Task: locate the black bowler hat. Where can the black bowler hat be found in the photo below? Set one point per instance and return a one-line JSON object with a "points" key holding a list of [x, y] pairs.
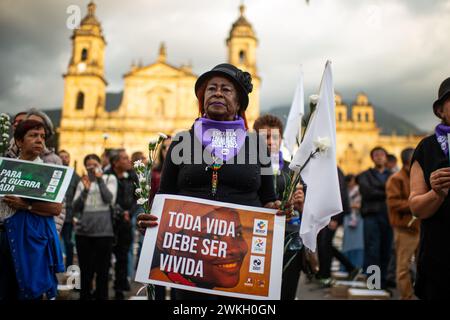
{"points": [[444, 93], [241, 79]]}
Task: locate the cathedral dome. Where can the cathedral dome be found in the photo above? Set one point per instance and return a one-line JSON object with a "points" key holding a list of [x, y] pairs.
{"points": [[241, 27], [90, 18], [362, 99], [89, 26]]}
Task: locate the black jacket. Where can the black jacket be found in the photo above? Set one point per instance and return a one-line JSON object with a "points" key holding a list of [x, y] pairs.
{"points": [[240, 183], [373, 193], [70, 194], [126, 195], [346, 209]]}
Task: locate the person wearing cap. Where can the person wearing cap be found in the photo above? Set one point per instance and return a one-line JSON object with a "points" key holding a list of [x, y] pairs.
{"points": [[233, 165], [430, 202], [270, 128]]}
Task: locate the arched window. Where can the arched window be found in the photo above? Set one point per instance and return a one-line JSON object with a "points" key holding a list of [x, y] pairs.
{"points": [[241, 56], [359, 117], [80, 101], [84, 54], [340, 117], [367, 117]]}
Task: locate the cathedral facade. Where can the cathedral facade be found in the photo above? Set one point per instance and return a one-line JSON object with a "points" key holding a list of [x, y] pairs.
{"points": [[160, 98], [357, 134], [156, 98]]}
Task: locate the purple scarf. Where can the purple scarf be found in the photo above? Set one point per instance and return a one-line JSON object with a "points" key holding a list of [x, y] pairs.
{"points": [[441, 135], [281, 161], [223, 139], [279, 158]]}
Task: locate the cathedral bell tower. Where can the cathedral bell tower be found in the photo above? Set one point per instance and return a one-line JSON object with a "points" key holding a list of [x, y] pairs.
{"points": [[84, 82], [242, 43]]}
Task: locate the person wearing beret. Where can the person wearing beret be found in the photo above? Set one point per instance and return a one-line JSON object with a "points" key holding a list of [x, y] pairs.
{"points": [[234, 166]]}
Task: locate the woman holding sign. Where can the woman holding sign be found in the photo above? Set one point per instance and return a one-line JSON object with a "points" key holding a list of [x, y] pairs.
{"points": [[30, 254], [430, 201], [218, 159]]}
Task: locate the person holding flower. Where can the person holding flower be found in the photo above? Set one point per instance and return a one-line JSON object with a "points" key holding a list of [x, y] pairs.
{"points": [[430, 202], [156, 170], [94, 227], [218, 159], [271, 130], [160, 291]]}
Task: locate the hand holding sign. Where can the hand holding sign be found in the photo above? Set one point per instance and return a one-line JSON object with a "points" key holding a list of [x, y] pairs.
{"points": [[15, 203], [34, 180], [144, 221]]}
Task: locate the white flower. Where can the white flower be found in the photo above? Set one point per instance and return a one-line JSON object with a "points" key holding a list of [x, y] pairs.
{"points": [[142, 178], [141, 201], [314, 98], [152, 144], [138, 191], [5, 116], [5, 135], [162, 135], [322, 143], [139, 164], [105, 136]]}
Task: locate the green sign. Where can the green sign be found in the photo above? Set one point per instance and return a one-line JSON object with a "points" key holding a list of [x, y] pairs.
{"points": [[27, 179]]}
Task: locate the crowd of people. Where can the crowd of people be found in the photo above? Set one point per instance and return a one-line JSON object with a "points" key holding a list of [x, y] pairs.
{"points": [[392, 218]]}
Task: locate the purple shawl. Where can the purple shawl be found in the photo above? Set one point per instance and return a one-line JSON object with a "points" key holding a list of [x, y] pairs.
{"points": [[223, 139], [441, 135]]}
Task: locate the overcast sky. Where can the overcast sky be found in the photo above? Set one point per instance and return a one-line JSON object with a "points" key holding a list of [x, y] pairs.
{"points": [[396, 51]]}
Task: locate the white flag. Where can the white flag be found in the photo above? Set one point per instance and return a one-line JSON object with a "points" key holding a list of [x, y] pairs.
{"points": [[294, 121], [323, 196]]}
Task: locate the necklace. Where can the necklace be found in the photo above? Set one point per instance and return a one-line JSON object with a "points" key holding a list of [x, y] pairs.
{"points": [[215, 166]]}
